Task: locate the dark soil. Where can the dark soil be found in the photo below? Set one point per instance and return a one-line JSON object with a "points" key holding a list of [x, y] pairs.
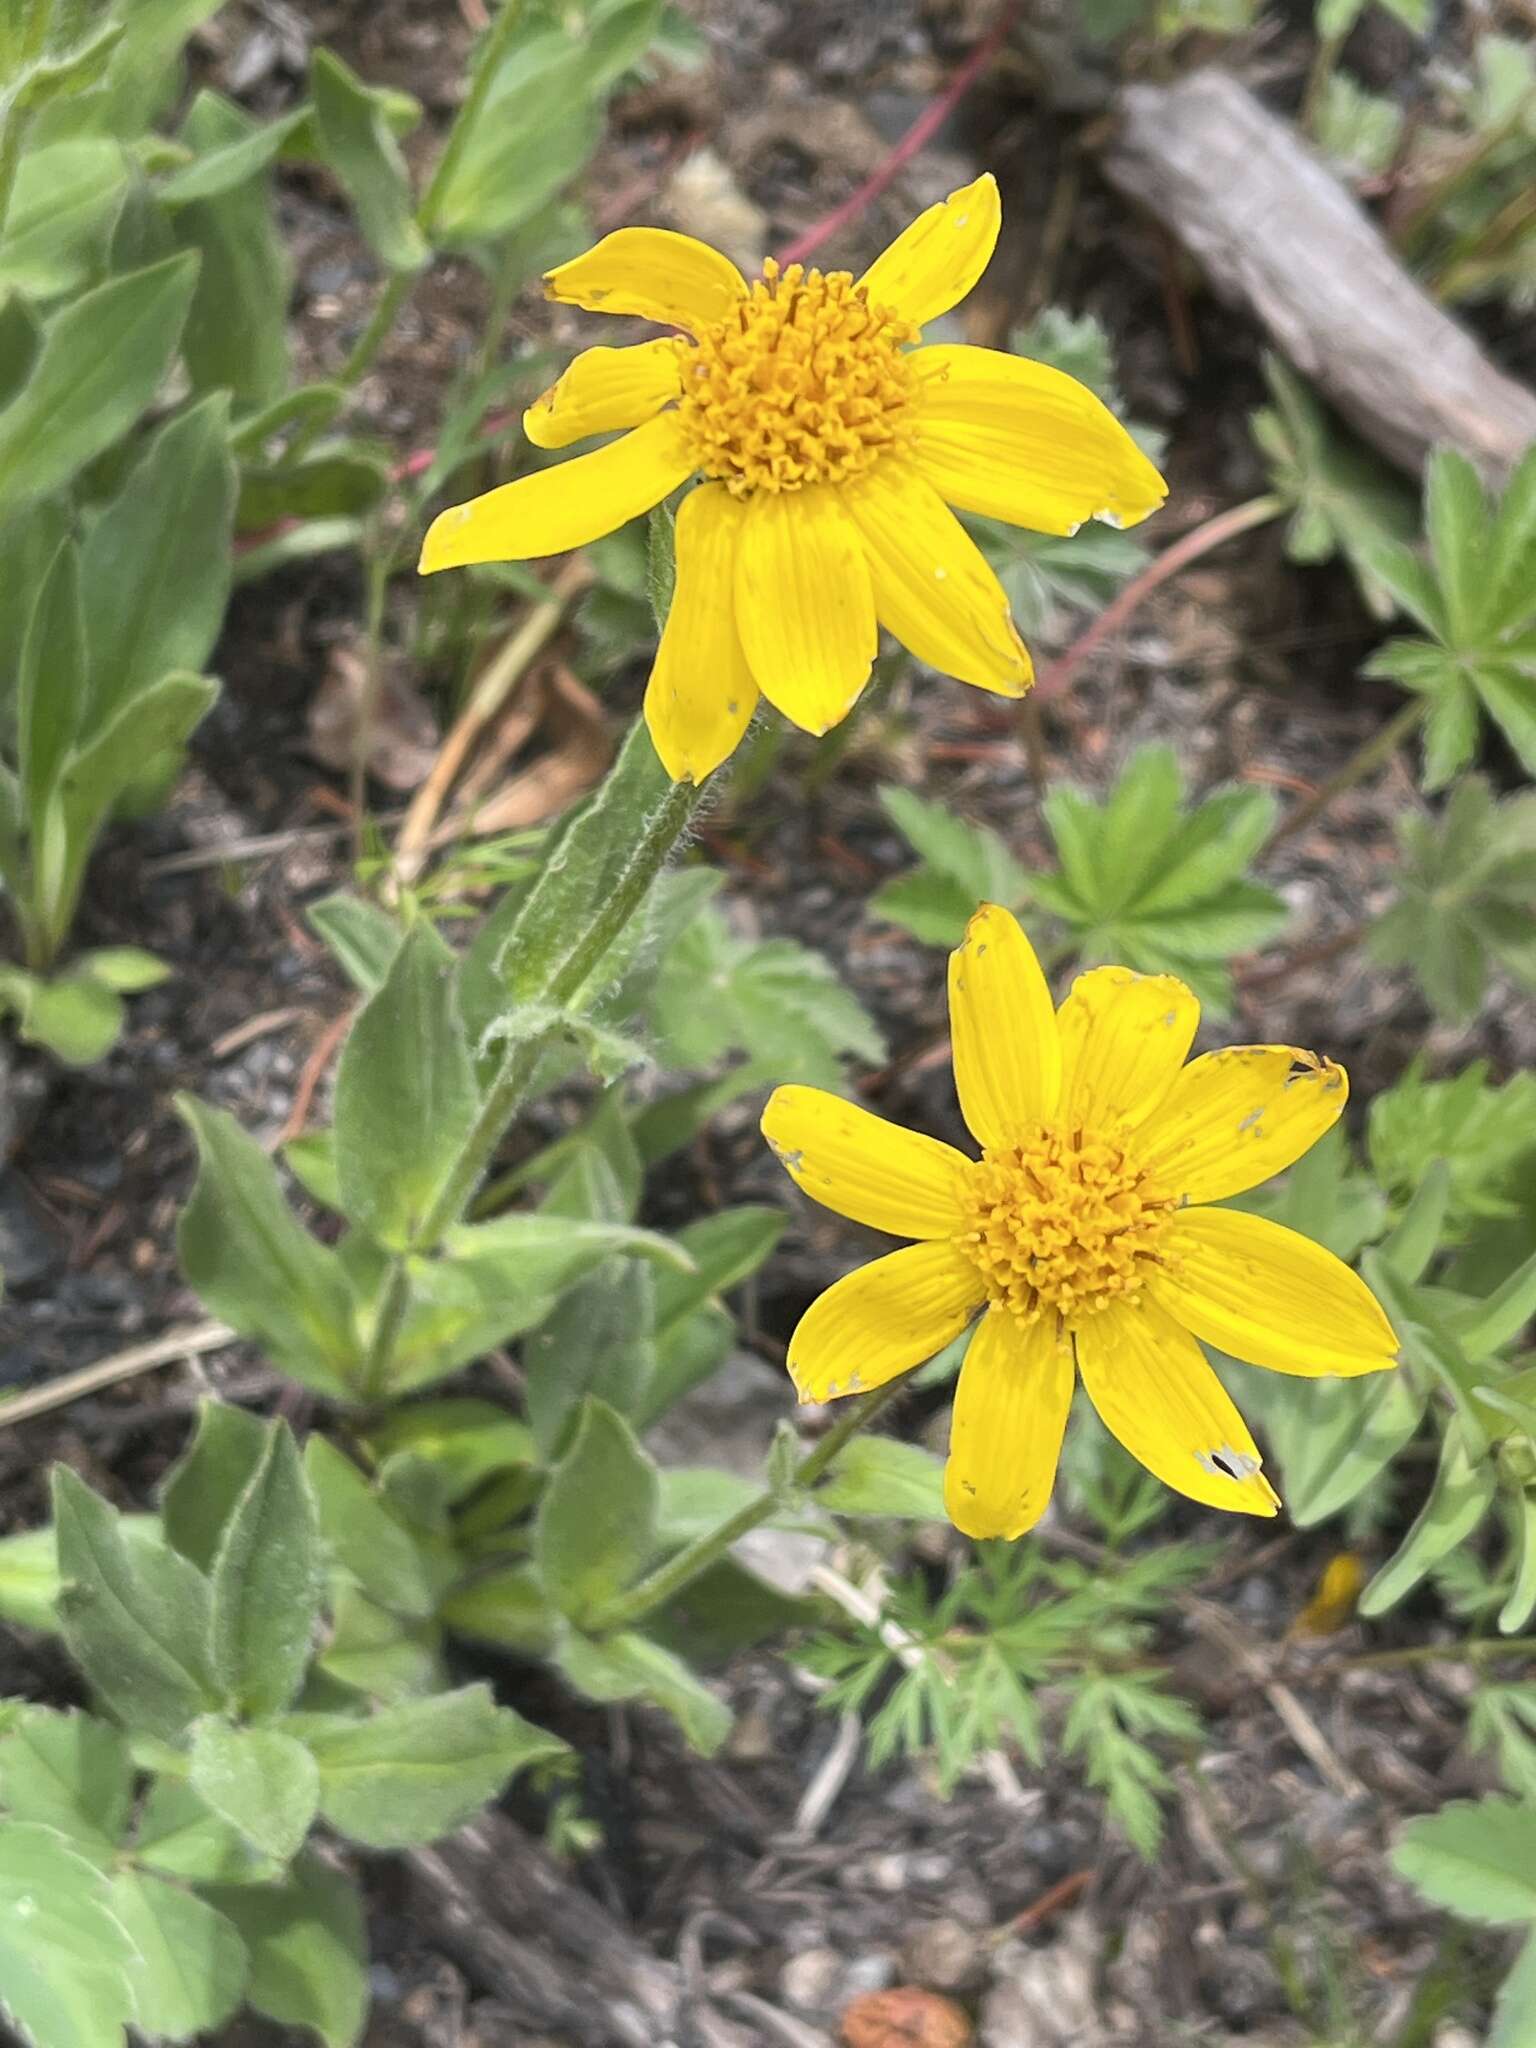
{"points": [[1247, 664]]}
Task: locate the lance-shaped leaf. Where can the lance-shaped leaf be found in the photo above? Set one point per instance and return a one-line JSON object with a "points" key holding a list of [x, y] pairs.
{"points": [[357, 143], [266, 1582], [597, 1522]]}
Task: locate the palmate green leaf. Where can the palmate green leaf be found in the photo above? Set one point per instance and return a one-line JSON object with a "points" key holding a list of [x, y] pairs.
{"points": [[189, 1969], [155, 565], [962, 865], [415, 1771], [1483, 1132], [597, 1522], [1475, 1857], [262, 1782], [774, 1000], [406, 1096], [65, 1956], [252, 1262], [237, 336], [307, 1945], [69, 1772], [1342, 496], [135, 1616], [631, 1666], [80, 397]]}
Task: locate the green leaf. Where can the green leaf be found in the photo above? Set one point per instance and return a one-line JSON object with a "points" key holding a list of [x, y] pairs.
{"points": [[581, 870], [188, 1974], [155, 567], [1458, 1500], [406, 1098], [363, 938], [81, 397], [598, 1340], [416, 1771], [125, 969], [397, 1566], [1456, 518], [1475, 1857], [70, 1772], [1360, 130], [266, 1582], [59, 221], [237, 332], [65, 1957], [253, 1263], [774, 1000], [876, 1475], [29, 1576], [970, 857], [224, 166], [260, 1781], [308, 1950], [596, 1525], [135, 1617], [1516, 2002], [467, 1441], [179, 1836], [726, 1249], [74, 1016], [506, 1606], [50, 692], [631, 1666], [346, 479], [357, 143], [208, 1480]]}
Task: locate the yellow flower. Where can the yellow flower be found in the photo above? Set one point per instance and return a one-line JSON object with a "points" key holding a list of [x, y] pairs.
{"points": [[1084, 1232], [832, 454]]}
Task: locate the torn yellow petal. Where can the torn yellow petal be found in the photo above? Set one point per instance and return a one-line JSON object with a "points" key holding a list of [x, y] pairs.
{"points": [[1007, 1050], [1124, 1037], [1011, 1409], [1233, 1118], [863, 1167], [1019, 441], [701, 696], [564, 506], [932, 264], [605, 389], [881, 1320], [804, 609], [1271, 1296], [934, 589], [660, 275], [1156, 1392]]}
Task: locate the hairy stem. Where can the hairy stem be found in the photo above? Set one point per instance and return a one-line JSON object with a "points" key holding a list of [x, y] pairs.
{"points": [[679, 1571], [1199, 541]]}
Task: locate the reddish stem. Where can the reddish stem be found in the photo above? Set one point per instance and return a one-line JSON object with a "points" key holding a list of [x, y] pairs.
{"points": [[923, 129], [1197, 542]]}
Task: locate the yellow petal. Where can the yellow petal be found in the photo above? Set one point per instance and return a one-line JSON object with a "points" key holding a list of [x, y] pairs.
{"points": [[932, 264], [1007, 1049], [1123, 1039], [863, 1167], [1156, 1392], [882, 1319], [803, 604], [604, 389], [1020, 441], [1271, 1296], [1010, 1417], [1233, 1118], [662, 276], [701, 695], [934, 589], [564, 506]]}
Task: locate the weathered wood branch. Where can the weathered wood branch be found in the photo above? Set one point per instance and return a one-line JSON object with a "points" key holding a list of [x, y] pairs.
{"points": [[1279, 236]]}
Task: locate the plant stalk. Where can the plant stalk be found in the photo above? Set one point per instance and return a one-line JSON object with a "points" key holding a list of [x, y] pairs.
{"points": [[1197, 542], [659, 1586], [1376, 751]]}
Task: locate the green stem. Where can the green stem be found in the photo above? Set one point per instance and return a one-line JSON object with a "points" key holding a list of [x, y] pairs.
{"points": [[394, 1300], [1323, 65], [370, 694], [1475, 1651], [1364, 761], [681, 1570]]}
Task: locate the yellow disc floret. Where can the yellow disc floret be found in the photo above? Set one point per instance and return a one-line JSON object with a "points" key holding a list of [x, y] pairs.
{"points": [[1062, 1222], [803, 383]]}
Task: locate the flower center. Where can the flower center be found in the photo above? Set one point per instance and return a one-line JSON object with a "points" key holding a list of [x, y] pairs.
{"points": [[804, 383], [1062, 1222]]}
